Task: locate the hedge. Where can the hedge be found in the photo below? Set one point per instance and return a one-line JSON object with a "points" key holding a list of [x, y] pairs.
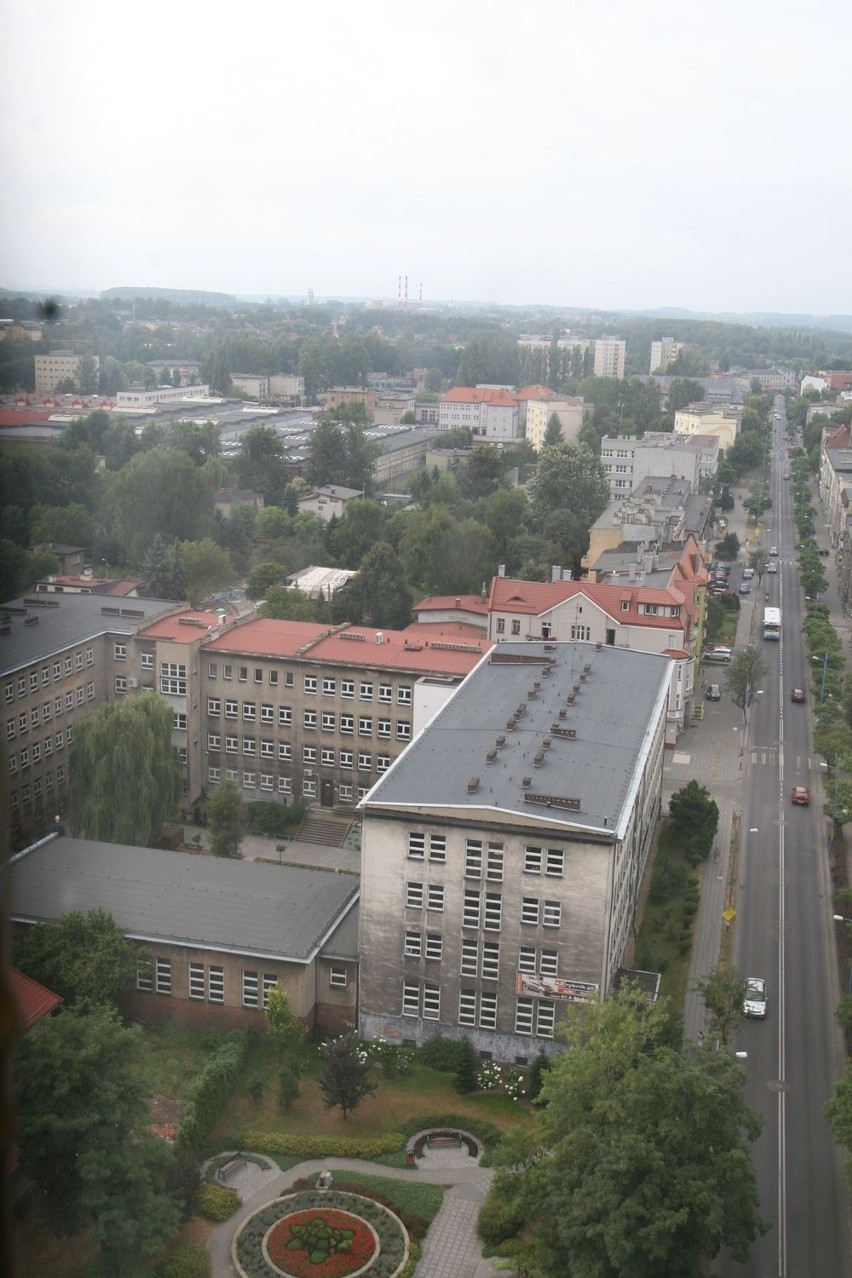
{"points": [[218, 1202], [322, 1146], [189, 1261], [212, 1087], [484, 1131]]}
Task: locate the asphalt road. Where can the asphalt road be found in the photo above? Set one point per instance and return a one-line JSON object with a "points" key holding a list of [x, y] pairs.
{"points": [[783, 933]]}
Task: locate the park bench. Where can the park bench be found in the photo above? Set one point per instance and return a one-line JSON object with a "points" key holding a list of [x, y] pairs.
{"points": [[444, 1138], [230, 1166]]}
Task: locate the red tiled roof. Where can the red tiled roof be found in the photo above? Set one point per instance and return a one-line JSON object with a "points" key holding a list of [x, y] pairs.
{"points": [[441, 603], [32, 1000], [182, 627], [458, 631], [536, 392], [533, 598], [479, 395]]}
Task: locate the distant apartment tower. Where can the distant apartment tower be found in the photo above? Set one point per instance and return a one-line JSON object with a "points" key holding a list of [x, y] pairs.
{"points": [[56, 367], [610, 357], [663, 353]]}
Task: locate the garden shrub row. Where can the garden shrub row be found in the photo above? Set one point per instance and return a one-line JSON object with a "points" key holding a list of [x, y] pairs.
{"points": [[189, 1261], [218, 1202], [212, 1087], [323, 1146]]}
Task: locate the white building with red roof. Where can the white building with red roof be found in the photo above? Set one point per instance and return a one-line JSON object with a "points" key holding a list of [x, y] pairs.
{"points": [[490, 412]]}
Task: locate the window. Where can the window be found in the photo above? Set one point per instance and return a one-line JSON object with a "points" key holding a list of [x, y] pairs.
{"points": [[285, 785], [249, 781], [412, 945], [530, 910], [267, 781], [309, 754], [172, 679], [435, 897], [10, 692], [60, 739], [273, 678], [383, 728], [196, 980], [471, 907], [416, 846], [48, 747], [144, 977], [365, 762], [289, 678], [347, 724], [337, 976], [45, 711], [403, 696], [437, 847], [214, 775], [385, 692], [231, 709], [270, 982], [403, 731], [119, 651], [552, 914], [431, 1001], [216, 984], [22, 681], [212, 670], [258, 675], [549, 965], [487, 1010], [516, 627], [309, 720], [328, 722], [214, 706], [13, 764], [414, 896], [344, 793], [544, 1018], [383, 762], [467, 1007], [532, 860], [490, 960], [231, 774], [67, 666], [285, 716], [555, 864], [267, 748], [327, 757], [120, 685], [473, 859], [10, 729], [69, 700], [366, 693], [25, 757], [232, 744], [347, 759], [329, 687], [57, 670], [34, 713], [411, 998], [227, 672], [163, 971], [365, 727], [493, 912], [469, 958], [249, 745], [434, 945], [249, 989], [583, 633], [80, 693], [494, 868], [501, 625], [249, 712], [34, 680], [180, 721], [527, 959], [524, 1016], [347, 688], [78, 661], [310, 685], [242, 674]]}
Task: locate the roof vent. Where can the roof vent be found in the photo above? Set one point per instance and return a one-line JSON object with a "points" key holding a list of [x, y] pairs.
{"points": [[473, 785], [546, 743], [501, 741], [587, 668], [563, 713], [545, 672], [539, 758], [598, 646], [490, 755], [511, 724], [30, 621], [527, 782], [576, 688]]}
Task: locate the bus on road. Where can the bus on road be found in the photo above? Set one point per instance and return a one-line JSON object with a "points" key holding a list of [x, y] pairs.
{"points": [[772, 623]]}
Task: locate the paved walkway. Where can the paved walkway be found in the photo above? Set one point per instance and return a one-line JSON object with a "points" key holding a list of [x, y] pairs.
{"points": [[451, 1248]]}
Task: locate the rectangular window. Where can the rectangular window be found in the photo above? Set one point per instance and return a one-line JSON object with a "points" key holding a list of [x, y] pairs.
{"points": [[48, 747], [435, 897], [180, 721], [214, 706], [403, 731], [249, 781], [216, 984], [67, 665], [45, 711], [383, 762], [267, 781], [383, 728], [309, 720], [35, 716], [273, 678], [78, 661], [34, 680], [249, 745], [22, 680], [527, 959], [267, 748], [285, 785], [434, 945], [81, 695], [468, 958], [411, 998], [490, 960], [329, 687], [285, 717], [416, 846], [212, 670], [467, 1007], [289, 678], [249, 712], [385, 692], [242, 674], [347, 759], [119, 651], [544, 1019], [25, 757], [69, 700], [347, 724], [310, 685], [13, 764], [196, 980], [120, 685], [309, 754], [60, 739], [232, 744], [473, 859], [487, 1010], [552, 914], [532, 860], [250, 989], [516, 627], [431, 1001], [414, 896], [214, 775], [258, 674], [163, 970], [365, 762], [413, 944], [327, 757], [172, 679], [549, 962], [471, 909], [365, 727], [146, 661], [232, 709], [493, 912], [227, 672], [347, 688], [494, 868], [366, 693], [144, 977], [329, 722], [530, 910], [501, 625], [267, 714], [524, 1016], [10, 692], [403, 696], [10, 729], [438, 847], [57, 670], [344, 792], [270, 982], [337, 976], [555, 864]]}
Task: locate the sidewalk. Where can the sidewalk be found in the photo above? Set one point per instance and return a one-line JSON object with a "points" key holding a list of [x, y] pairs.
{"points": [[451, 1248]]}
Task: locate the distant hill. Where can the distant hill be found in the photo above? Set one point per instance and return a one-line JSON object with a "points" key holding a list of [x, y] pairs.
{"points": [[181, 296], [756, 319]]}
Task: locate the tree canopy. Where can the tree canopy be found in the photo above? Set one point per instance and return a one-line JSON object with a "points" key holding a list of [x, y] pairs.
{"points": [[83, 958], [124, 771], [567, 494]]}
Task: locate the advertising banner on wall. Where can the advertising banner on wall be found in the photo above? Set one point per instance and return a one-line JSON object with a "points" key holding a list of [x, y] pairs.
{"points": [[554, 987]]}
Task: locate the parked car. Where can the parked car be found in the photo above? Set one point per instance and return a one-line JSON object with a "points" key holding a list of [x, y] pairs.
{"points": [[719, 653], [798, 694], [754, 1003], [801, 795], [714, 692]]}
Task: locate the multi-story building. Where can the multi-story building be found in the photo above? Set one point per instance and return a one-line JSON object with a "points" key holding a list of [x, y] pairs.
{"points": [[835, 481], [628, 459], [503, 854], [610, 357], [774, 379], [392, 405], [287, 386], [570, 412], [138, 400], [56, 367], [335, 396], [63, 656], [663, 353], [329, 502], [298, 711], [721, 420], [489, 412], [252, 385]]}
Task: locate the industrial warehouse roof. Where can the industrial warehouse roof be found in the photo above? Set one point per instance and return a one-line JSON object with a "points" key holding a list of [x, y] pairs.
{"points": [[553, 731], [284, 912]]}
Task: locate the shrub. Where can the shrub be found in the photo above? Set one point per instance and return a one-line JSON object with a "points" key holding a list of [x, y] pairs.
{"points": [[189, 1261], [443, 1053], [212, 1087], [499, 1220], [218, 1202], [486, 1133], [288, 1086], [323, 1146], [538, 1069], [465, 1074], [670, 879]]}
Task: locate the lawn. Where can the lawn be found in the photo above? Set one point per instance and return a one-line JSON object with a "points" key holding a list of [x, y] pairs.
{"points": [[666, 933]]}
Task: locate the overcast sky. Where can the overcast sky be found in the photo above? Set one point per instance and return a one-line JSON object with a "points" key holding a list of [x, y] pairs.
{"points": [[598, 153]]}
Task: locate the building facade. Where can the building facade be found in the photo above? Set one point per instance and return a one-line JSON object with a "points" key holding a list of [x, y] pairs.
{"points": [[56, 367], [663, 353], [489, 412], [610, 357], [570, 412], [502, 855]]}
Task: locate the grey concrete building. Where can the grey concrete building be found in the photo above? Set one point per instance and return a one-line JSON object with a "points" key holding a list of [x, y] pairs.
{"points": [[503, 852]]}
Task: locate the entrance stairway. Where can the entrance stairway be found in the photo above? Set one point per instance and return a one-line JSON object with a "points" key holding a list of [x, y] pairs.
{"points": [[323, 828]]}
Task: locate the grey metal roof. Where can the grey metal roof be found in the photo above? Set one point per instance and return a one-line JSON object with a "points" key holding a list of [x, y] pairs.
{"points": [[343, 942], [615, 708], [285, 912], [44, 624]]}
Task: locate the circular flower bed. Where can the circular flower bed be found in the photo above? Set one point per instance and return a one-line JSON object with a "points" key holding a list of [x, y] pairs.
{"points": [[261, 1247], [321, 1244]]}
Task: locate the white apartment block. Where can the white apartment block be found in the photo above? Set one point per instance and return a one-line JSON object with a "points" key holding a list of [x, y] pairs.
{"points": [[56, 367], [664, 353], [628, 460], [610, 357], [491, 413], [571, 413]]}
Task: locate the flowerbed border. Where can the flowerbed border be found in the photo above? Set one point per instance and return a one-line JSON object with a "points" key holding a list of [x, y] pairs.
{"points": [[328, 1198], [364, 1224]]}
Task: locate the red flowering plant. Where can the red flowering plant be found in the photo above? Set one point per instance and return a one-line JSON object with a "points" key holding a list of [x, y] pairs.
{"points": [[320, 1244]]}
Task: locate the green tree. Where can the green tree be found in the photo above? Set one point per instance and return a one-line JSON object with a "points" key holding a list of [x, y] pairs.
{"points": [[838, 1111], [125, 776], [225, 818], [723, 991], [553, 431], [69, 525], [482, 474], [345, 1076], [283, 1026], [728, 548], [84, 958], [639, 1162], [283, 603], [261, 578], [158, 492], [83, 1138], [746, 670], [378, 595], [261, 465], [207, 567], [567, 494], [694, 818]]}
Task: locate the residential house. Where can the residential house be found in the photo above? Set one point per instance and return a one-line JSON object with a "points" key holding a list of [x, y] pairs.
{"points": [[329, 502]]}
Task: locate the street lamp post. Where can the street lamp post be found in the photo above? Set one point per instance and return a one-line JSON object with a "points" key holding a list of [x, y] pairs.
{"points": [[824, 673]]}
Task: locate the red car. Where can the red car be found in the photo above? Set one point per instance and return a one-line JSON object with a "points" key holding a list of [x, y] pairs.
{"points": [[798, 694], [801, 794]]}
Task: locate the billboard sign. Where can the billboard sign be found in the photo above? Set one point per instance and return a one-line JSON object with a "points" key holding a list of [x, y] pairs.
{"points": [[538, 986]]}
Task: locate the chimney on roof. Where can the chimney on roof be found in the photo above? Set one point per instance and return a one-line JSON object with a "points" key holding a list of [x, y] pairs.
{"points": [[555, 572], [501, 570], [458, 602]]}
